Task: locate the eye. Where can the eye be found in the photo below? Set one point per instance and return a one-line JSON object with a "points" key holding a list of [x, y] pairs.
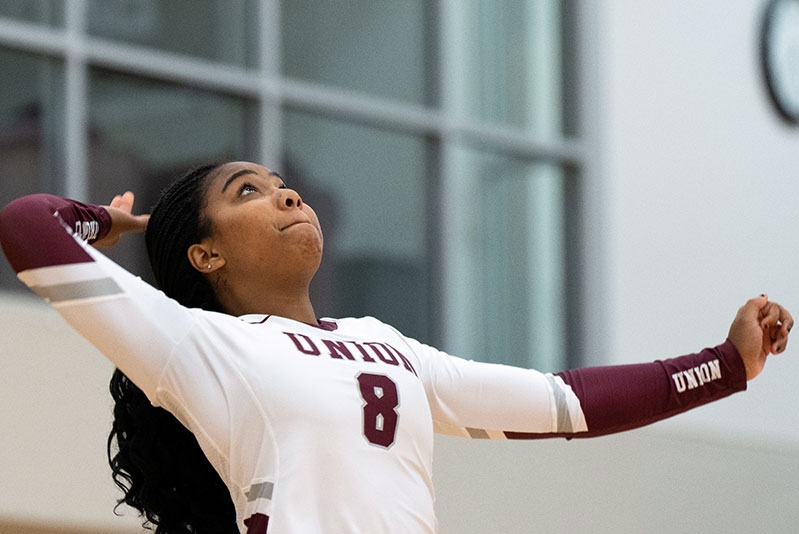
{"points": [[247, 189]]}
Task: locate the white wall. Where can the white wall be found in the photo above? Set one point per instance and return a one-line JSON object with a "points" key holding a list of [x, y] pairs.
{"points": [[55, 416], [703, 182], [698, 179]]}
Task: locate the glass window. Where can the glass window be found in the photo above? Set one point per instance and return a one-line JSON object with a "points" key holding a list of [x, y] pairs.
{"points": [[382, 48], [50, 12], [31, 119], [143, 134], [509, 64], [498, 245], [508, 266], [217, 30], [369, 189]]}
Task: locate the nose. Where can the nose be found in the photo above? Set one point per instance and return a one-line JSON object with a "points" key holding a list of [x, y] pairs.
{"points": [[290, 199]]}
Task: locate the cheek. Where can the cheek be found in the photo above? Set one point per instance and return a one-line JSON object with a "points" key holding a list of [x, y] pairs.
{"points": [[242, 240]]}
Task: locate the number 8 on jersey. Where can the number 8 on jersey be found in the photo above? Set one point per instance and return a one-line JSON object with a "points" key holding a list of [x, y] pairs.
{"points": [[380, 397]]}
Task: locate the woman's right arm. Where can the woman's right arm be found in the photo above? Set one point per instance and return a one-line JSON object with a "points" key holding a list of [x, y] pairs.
{"points": [[46, 240], [35, 231]]}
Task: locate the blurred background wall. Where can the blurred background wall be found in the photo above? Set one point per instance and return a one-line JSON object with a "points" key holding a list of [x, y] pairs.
{"points": [[535, 182]]}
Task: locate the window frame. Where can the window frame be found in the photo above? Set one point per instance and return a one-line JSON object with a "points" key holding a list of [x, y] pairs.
{"points": [[576, 152]]}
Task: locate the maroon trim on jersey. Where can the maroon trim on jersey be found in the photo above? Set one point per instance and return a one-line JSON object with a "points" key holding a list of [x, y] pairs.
{"points": [[34, 230], [327, 325], [623, 397], [257, 524], [322, 325], [262, 321]]}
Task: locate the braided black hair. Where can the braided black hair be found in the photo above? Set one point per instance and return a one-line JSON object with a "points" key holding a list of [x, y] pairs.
{"points": [[154, 459], [176, 223]]}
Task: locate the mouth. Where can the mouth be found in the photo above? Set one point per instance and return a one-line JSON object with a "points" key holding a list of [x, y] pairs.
{"points": [[295, 223]]}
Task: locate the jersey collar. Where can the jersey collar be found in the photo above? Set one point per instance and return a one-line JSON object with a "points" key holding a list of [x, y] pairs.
{"points": [[257, 318]]}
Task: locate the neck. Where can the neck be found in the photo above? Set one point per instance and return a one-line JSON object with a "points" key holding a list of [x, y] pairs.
{"points": [[294, 305]]}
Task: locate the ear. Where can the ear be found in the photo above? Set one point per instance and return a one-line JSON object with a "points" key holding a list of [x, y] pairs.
{"points": [[203, 257]]}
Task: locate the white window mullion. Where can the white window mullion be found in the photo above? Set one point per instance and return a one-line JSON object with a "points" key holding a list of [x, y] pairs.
{"points": [[76, 102], [460, 246], [270, 123], [595, 299]]}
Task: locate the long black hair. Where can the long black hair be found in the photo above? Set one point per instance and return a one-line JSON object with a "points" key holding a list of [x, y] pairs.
{"points": [[154, 459]]}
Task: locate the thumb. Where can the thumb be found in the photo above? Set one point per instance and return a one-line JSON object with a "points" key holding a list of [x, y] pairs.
{"points": [[759, 304]]}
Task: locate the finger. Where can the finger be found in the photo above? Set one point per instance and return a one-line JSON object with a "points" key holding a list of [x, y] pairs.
{"points": [[755, 307], [786, 319], [127, 201], [116, 201], [785, 324], [768, 342], [778, 322], [770, 314], [775, 315], [123, 202]]}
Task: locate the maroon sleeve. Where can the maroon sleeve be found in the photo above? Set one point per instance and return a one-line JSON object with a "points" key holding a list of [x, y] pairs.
{"points": [[35, 230], [623, 397]]}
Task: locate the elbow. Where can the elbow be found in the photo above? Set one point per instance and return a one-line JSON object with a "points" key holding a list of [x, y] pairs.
{"points": [[22, 222]]}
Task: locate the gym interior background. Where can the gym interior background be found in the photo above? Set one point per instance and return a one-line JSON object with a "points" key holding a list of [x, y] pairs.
{"points": [[546, 183]]}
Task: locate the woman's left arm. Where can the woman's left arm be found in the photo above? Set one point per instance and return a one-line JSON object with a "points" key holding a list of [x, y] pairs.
{"points": [[500, 402], [618, 398]]}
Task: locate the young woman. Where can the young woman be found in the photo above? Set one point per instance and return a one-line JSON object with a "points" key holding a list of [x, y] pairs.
{"points": [[237, 410]]}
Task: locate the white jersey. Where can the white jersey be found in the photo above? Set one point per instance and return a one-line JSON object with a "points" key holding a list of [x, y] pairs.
{"points": [[329, 427], [320, 428]]}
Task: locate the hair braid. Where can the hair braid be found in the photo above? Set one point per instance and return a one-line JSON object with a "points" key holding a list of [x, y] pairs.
{"points": [[175, 224], [158, 463]]}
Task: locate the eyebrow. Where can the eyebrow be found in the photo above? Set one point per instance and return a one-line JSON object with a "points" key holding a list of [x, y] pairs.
{"points": [[245, 172]]}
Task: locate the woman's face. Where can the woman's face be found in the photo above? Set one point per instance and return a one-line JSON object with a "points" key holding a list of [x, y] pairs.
{"points": [[259, 227]]}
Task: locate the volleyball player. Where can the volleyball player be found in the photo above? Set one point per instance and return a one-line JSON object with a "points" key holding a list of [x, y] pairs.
{"points": [[238, 410]]}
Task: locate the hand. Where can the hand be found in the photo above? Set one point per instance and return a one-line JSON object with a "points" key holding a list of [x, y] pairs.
{"points": [[122, 220], [760, 328]]}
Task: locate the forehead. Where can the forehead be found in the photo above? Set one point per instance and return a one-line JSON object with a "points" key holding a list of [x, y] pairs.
{"points": [[226, 173], [226, 170]]}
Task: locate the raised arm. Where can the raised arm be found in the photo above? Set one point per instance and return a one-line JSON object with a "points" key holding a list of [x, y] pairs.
{"points": [[135, 326], [35, 230], [474, 399]]}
